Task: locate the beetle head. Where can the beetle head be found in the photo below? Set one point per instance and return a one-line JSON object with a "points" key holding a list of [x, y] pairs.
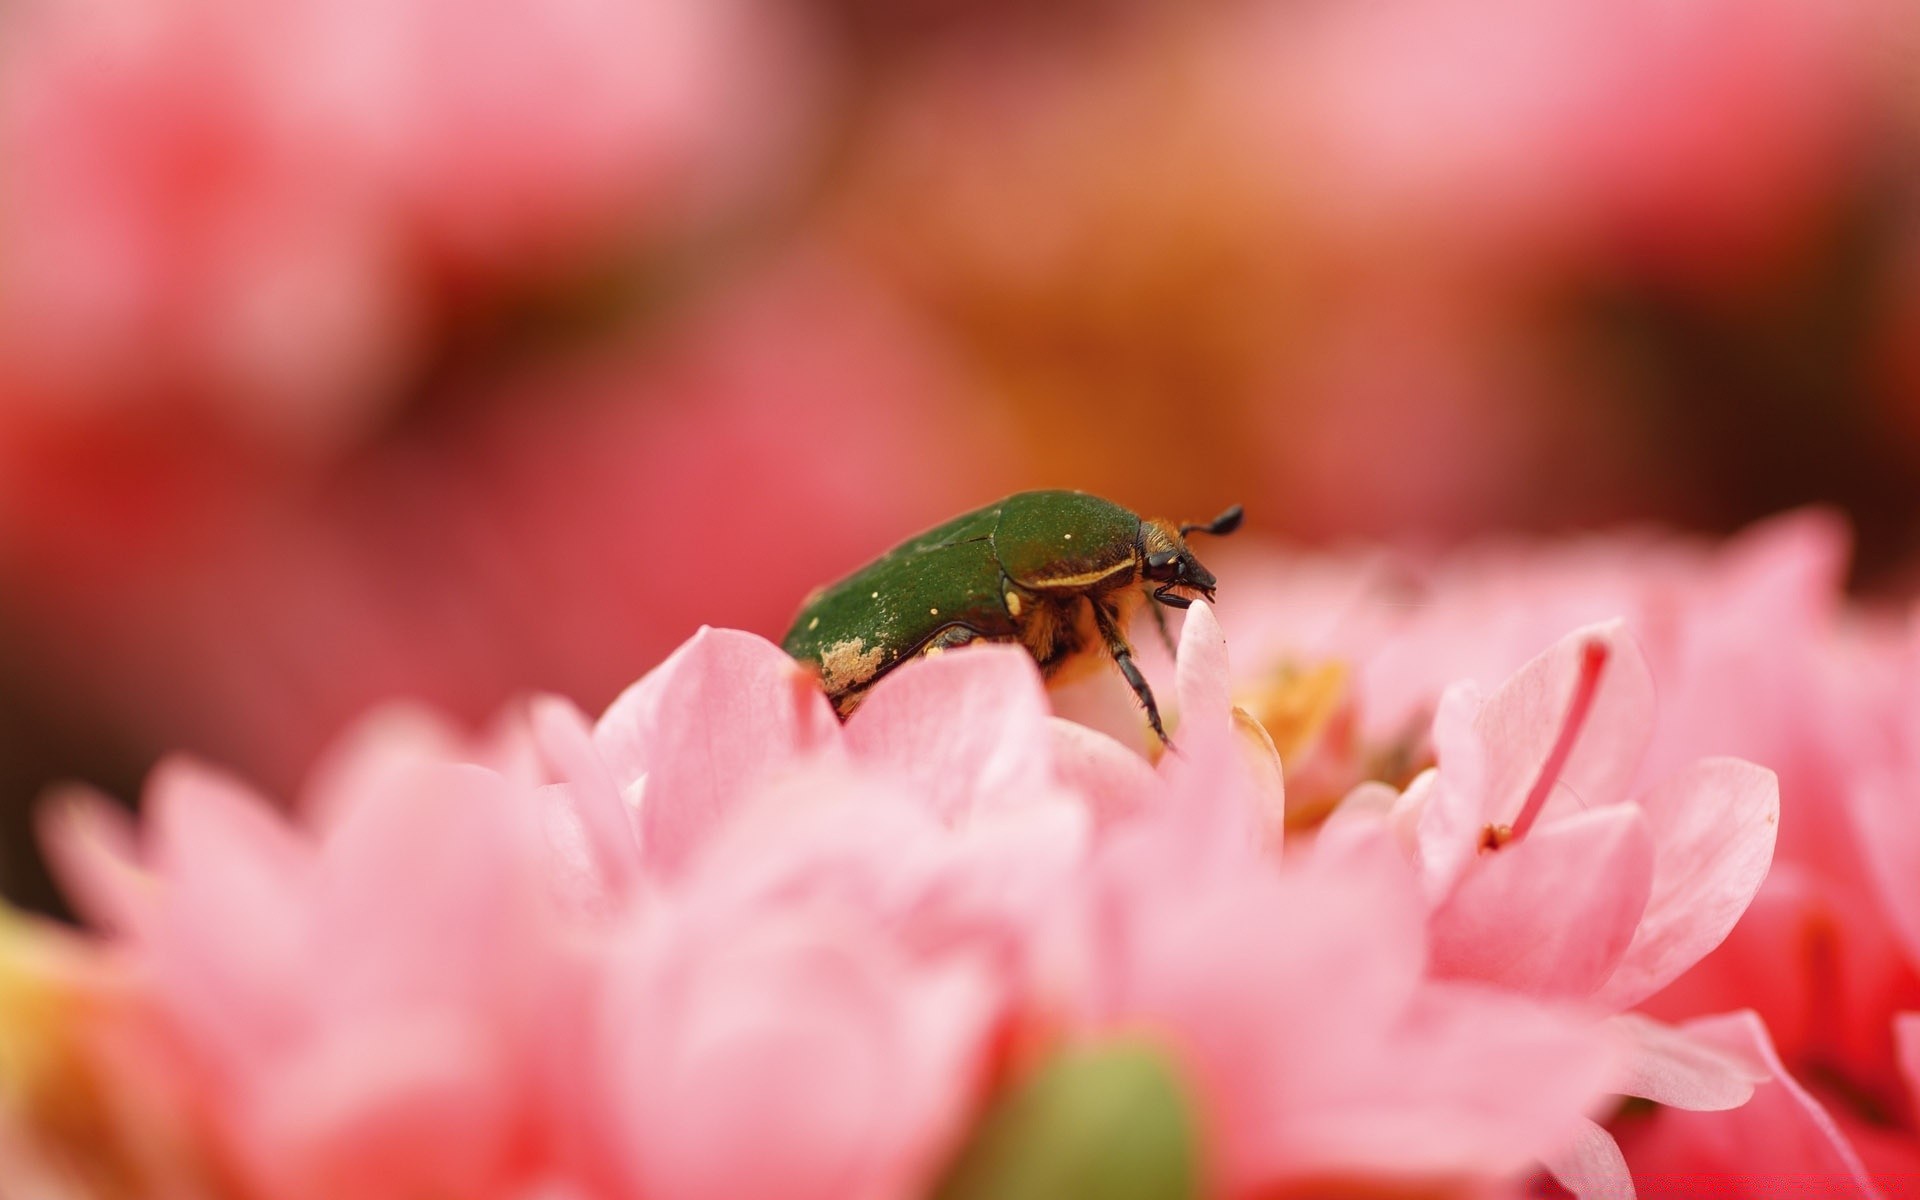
{"points": [[1171, 565]]}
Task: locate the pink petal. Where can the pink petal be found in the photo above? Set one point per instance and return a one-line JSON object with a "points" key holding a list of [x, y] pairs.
{"points": [[587, 817], [1713, 826], [1522, 720], [968, 727], [687, 741], [1666, 1065], [840, 1068], [1591, 1166], [386, 1110], [437, 890], [1452, 820], [230, 947], [201, 818], [1552, 913], [856, 842], [1112, 780], [1200, 674], [1889, 838], [1472, 1081], [393, 737], [90, 845], [1782, 1136], [1222, 757]]}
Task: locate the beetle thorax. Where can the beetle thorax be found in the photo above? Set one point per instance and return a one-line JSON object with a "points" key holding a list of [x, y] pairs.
{"points": [[1160, 537]]}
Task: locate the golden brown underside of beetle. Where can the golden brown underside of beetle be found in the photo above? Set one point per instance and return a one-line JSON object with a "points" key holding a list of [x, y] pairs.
{"points": [[1063, 635]]}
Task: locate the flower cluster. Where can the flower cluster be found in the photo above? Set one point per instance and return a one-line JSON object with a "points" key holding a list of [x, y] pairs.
{"points": [[717, 944]]}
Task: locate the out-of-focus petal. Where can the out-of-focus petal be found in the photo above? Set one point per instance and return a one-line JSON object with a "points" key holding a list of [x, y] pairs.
{"points": [[841, 1065], [967, 727], [724, 710], [468, 845], [848, 841], [1665, 1065], [1781, 1138], [1714, 826], [231, 945], [385, 1110], [1551, 913], [1889, 839], [91, 845], [586, 813], [1591, 1166], [1114, 781]]}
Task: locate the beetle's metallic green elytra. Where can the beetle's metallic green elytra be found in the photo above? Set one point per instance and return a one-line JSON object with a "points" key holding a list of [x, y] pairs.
{"points": [[1055, 571]]}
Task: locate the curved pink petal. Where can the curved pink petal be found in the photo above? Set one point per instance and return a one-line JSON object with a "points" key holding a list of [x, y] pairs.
{"points": [[1782, 1137], [1200, 672], [92, 849], [857, 842], [687, 741], [1889, 840], [387, 1109], [1591, 1166], [969, 727], [1713, 825], [1470, 1081], [589, 825], [1522, 721], [1666, 1065], [200, 818], [1552, 913], [400, 736], [1451, 817], [845, 1068], [230, 944], [437, 890], [1113, 781]]}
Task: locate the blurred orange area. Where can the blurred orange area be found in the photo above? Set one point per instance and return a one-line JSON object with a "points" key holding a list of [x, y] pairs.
{"points": [[452, 350]]}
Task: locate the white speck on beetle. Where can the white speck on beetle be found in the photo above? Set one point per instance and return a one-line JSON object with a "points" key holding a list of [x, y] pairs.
{"points": [[933, 612], [814, 624], [876, 595], [1069, 537]]}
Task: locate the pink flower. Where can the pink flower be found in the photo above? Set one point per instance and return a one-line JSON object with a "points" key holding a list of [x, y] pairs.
{"points": [[1546, 873], [1321, 1055], [1782, 1138], [1815, 952], [365, 1009], [812, 1037], [1547, 870], [720, 944]]}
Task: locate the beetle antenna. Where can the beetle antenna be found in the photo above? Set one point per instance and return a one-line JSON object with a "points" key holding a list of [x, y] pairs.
{"points": [[1220, 526]]}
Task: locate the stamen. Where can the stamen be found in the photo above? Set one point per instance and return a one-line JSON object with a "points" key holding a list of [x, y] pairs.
{"points": [[1593, 661]]}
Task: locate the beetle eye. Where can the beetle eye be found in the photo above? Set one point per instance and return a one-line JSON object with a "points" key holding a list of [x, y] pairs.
{"points": [[1163, 565]]}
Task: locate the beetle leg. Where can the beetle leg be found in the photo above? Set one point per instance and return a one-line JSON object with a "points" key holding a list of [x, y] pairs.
{"points": [[1166, 635], [1123, 658]]}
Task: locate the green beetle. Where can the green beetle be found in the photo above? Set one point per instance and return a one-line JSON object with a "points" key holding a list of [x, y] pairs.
{"points": [[1055, 571]]}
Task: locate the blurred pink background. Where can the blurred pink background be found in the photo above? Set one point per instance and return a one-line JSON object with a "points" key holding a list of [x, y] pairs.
{"points": [[454, 350]]}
